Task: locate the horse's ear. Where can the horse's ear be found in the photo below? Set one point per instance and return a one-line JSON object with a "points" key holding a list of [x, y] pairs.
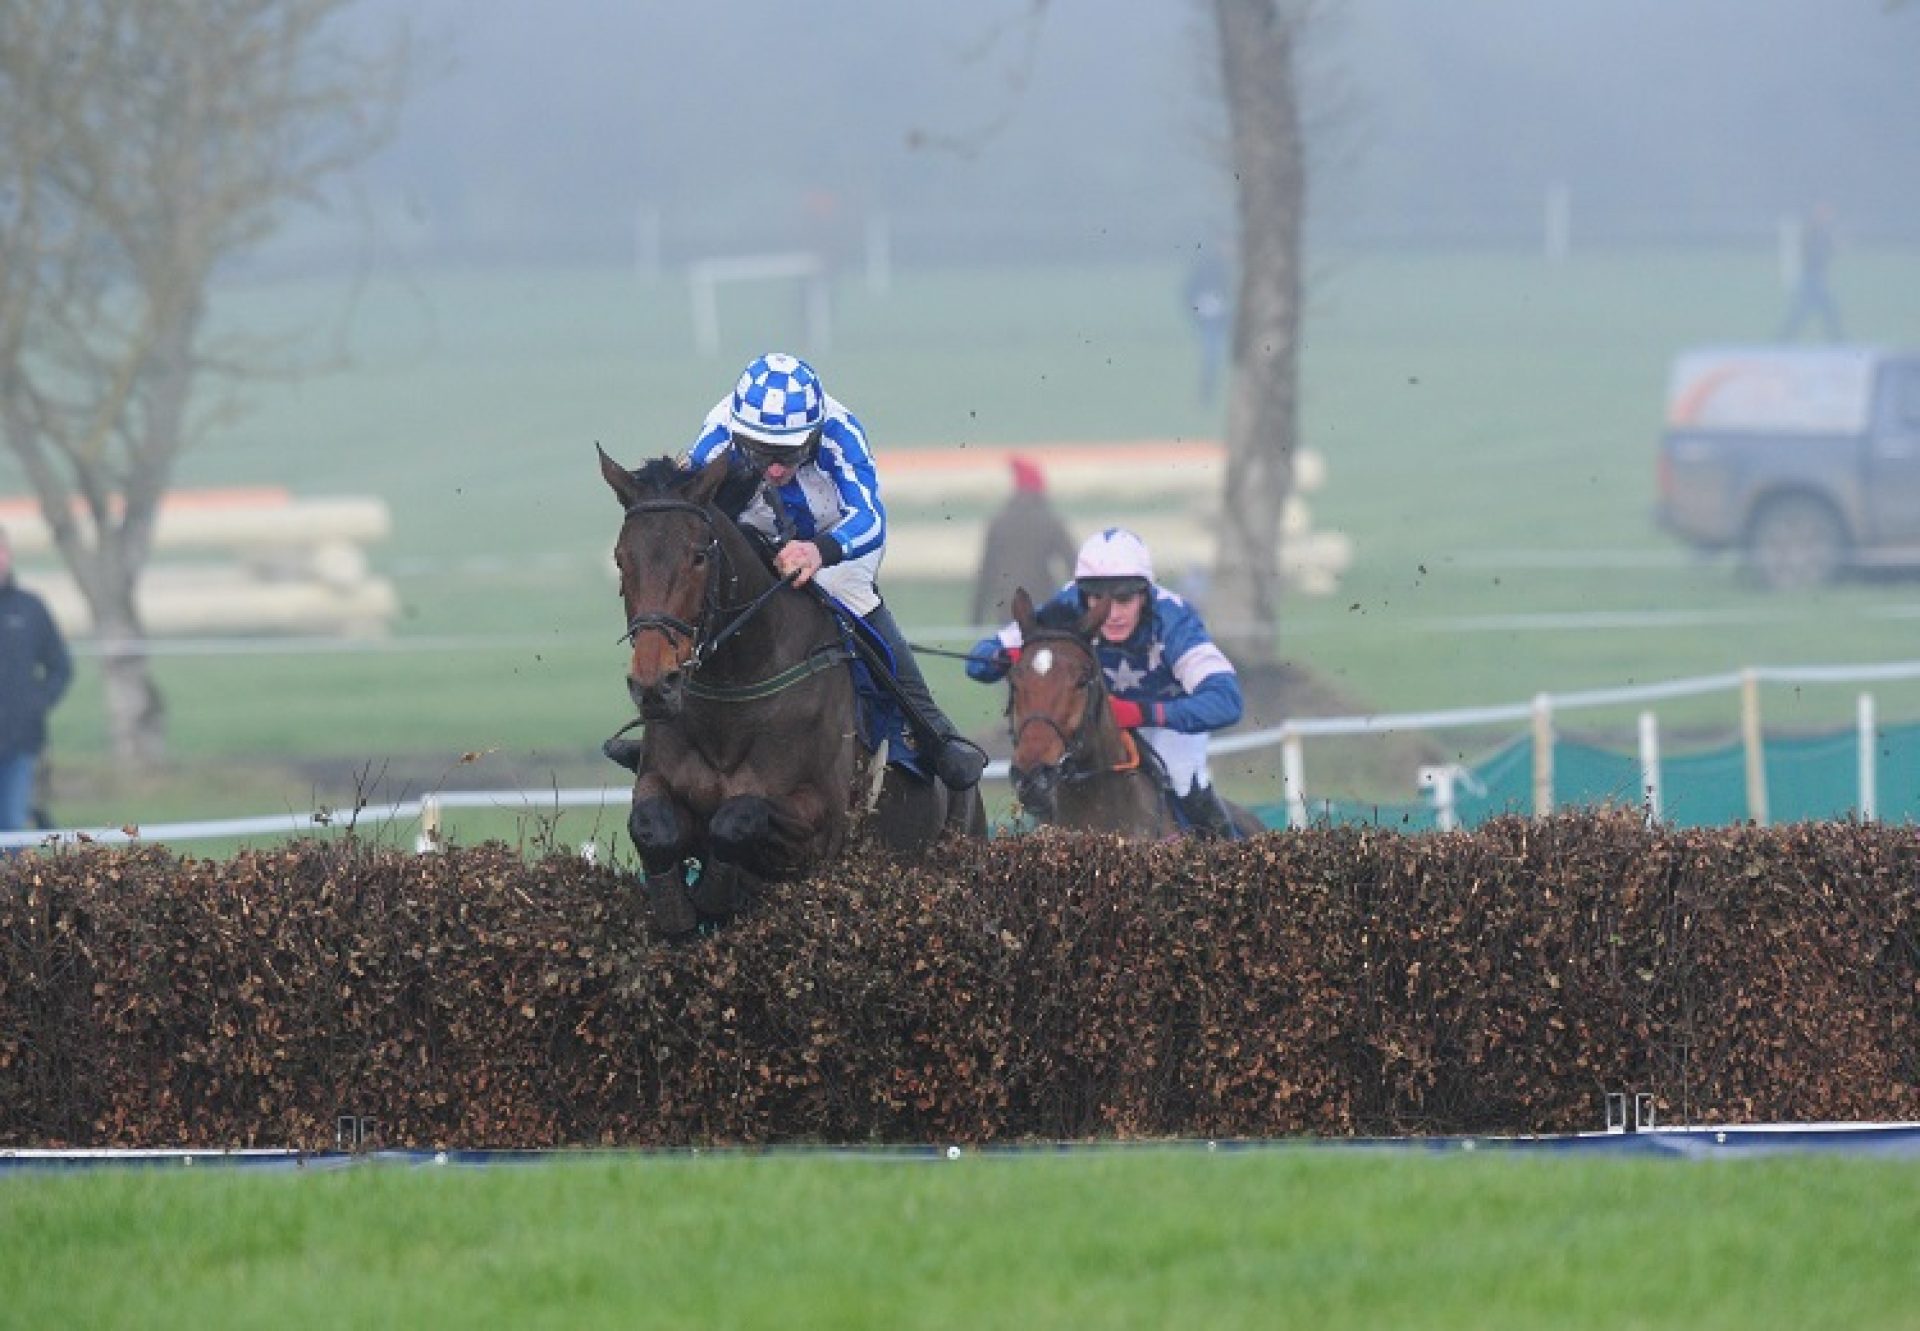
{"points": [[619, 478], [1023, 612], [706, 481], [1096, 615]]}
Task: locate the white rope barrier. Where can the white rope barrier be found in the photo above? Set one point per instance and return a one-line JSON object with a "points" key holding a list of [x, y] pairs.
{"points": [[613, 797]]}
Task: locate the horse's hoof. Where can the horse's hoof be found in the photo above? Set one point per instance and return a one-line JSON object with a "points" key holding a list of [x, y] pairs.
{"points": [[721, 889], [673, 913]]}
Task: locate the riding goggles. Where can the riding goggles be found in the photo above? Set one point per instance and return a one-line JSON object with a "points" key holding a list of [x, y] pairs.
{"points": [[761, 455]]}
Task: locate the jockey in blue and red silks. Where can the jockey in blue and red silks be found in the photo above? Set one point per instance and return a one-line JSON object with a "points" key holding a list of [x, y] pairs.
{"points": [[810, 487], [1168, 682]]}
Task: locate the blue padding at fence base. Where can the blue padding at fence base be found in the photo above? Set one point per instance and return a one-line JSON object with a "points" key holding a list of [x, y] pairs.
{"points": [[1900, 1140]]}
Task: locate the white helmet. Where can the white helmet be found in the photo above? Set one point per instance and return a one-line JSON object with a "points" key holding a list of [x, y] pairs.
{"points": [[1114, 553]]}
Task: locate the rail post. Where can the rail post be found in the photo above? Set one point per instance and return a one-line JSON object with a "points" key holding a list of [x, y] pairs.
{"points": [[1293, 776], [1650, 767], [1869, 758], [1754, 744], [1542, 755]]}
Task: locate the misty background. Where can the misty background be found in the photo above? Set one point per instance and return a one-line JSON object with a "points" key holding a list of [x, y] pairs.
{"points": [[572, 131]]}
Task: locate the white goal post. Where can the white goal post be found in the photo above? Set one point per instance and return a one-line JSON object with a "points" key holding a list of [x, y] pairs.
{"points": [[704, 277]]}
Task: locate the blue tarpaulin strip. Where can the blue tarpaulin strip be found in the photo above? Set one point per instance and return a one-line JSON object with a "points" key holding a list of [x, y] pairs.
{"points": [[1746, 1141]]}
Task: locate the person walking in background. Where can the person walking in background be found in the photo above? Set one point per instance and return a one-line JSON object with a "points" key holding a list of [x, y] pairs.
{"points": [[1027, 546], [1812, 297], [1209, 301], [34, 671]]}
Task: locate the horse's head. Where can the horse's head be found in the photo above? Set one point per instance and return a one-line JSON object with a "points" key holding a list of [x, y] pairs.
{"points": [[1057, 696], [669, 557]]}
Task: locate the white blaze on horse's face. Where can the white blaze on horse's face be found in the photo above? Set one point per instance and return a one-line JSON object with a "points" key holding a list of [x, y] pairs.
{"points": [[1042, 661]]}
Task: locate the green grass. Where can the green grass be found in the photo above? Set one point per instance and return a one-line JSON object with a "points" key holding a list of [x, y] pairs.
{"points": [[1469, 406], [1146, 1238]]}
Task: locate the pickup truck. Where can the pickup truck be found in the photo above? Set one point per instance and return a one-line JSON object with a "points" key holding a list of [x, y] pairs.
{"points": [[1805, 460]]}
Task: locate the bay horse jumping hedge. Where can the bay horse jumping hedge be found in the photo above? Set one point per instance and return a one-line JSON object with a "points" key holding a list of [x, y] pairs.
{"points": [[1333, 982]]}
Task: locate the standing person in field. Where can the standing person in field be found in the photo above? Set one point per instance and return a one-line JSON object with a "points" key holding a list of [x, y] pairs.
{"points": [[803, 477], [1208, 296], [1812, 296], [1169, 683], [34, 671], [1027, 546]]}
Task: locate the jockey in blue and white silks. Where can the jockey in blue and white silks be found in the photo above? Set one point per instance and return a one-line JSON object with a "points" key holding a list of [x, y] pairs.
{"points": [[817, 500], [1167, 680]]}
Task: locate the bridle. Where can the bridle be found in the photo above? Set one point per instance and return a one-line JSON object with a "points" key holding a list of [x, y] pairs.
{"points": [[703, 641], [1073, 766]]}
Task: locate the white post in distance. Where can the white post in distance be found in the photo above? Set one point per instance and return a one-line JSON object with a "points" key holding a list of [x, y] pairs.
{"points": [[1650, 768]]}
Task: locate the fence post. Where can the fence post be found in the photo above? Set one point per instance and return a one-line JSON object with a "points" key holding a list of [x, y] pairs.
{"points": [[1293, 776], [1441, 782], [1542, 755], [1650, 767], [1869, 759], [430, 836], [1754, 744], [879, 253], [1558, 227]]}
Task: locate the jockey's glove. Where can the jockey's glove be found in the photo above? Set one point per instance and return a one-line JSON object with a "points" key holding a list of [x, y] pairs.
{"points": [[1127, 715]]}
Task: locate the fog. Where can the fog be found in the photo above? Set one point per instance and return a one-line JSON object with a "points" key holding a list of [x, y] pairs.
{"points": [[578, 131]]}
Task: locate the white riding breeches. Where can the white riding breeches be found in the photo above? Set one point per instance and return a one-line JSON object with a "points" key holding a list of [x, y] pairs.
{"points": [[851, 582], [1184, 755]]}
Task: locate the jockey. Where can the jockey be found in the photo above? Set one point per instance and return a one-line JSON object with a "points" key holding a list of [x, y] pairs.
{"points": [[1167, 680], [804, 474]]}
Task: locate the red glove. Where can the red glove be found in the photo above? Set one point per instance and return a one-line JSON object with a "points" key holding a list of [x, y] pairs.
{"points": [[1127, 715]]}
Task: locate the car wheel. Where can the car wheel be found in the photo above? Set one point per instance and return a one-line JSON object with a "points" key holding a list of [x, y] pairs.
{"points": [[1796, 541]]}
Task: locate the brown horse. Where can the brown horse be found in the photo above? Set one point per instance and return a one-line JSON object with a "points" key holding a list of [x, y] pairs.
{"points": [[749, 767], [1073, 765]]}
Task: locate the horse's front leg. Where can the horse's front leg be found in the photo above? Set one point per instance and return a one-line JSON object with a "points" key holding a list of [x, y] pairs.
{"points": [[750, 839], [662, 832]]}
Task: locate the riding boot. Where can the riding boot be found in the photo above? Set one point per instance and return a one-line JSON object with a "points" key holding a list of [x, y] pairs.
{"points": [[623, 751], [957, 762], [1206, 815]]}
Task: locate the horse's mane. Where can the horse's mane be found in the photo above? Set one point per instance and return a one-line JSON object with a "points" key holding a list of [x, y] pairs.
{"points": [[662, 474], [1059, 617]]}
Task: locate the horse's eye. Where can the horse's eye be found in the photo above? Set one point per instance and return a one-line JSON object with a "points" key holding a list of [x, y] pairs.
{"points": [[700, 557]]}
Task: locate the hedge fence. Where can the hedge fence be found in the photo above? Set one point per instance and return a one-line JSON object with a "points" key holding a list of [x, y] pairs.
{"points": [[1333, 982]]}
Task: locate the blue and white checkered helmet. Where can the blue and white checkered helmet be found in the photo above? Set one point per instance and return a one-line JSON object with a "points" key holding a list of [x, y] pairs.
{"points": [[778, 401]]}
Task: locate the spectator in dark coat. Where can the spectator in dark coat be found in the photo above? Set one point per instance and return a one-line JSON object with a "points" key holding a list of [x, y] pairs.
{"points": [[1027, 546], [34, 672]]}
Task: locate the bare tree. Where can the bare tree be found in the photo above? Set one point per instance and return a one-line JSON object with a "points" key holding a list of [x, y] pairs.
{"points": [[1258, 45], [142, 144], [1258, 49]]}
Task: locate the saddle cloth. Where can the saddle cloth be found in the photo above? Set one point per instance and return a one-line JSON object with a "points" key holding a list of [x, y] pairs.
{"points": [[877, 716]]}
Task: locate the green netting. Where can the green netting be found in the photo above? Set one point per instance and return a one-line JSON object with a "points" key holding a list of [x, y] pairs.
{"points": [[1808, 777]]}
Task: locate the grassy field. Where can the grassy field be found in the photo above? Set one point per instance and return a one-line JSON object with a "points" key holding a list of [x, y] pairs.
{"points": [[1140, 1238], [1489, 423]]}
